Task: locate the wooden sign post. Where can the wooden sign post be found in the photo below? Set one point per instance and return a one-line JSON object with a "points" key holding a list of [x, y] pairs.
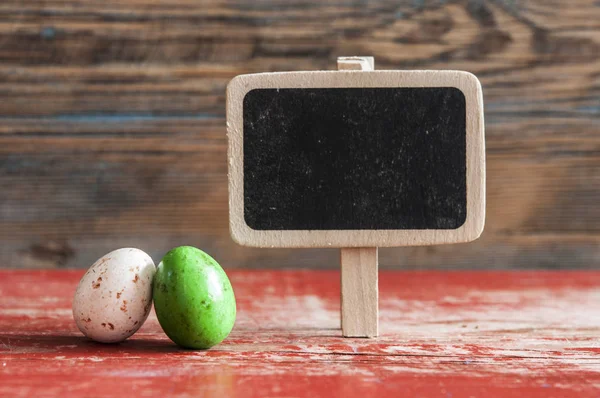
{"points": [[359, 266], [356, 159]]}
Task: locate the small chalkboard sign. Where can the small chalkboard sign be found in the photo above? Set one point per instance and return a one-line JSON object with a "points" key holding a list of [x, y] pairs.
{"points": [[356, 158]]}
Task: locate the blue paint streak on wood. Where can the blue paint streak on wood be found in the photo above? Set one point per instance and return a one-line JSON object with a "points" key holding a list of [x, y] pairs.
{"points": [[48, 33], [119, 117], [132, 117], [589, 109]]}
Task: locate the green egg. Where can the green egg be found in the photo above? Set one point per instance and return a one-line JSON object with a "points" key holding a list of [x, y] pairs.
{"points": [[193, 298]]}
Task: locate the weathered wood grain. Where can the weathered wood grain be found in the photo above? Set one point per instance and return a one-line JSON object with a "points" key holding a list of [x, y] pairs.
{"points": [[459, 334], [112, 127]]}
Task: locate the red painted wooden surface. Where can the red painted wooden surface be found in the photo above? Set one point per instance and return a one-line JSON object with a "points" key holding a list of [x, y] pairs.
{"points": [[444, 334]]}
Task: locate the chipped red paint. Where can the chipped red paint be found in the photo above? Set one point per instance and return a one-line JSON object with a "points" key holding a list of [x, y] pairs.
{"points": [[444, 334]]}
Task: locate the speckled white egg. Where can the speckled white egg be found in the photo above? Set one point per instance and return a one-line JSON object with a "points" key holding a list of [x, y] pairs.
{"points": [[114, 297]]}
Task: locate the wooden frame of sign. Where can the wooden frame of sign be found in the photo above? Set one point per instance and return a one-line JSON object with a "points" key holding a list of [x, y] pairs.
{"points": [[359, 246]]}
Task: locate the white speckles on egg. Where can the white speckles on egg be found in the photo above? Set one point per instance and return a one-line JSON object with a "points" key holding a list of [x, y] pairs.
{"points": [[114, 297]]}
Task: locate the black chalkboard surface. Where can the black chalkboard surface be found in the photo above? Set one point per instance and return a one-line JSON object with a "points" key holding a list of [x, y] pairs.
{"points": [[389, 158]]}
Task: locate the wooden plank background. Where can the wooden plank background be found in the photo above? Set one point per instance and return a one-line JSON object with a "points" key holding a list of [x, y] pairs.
{"points": [[112, 128]]}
